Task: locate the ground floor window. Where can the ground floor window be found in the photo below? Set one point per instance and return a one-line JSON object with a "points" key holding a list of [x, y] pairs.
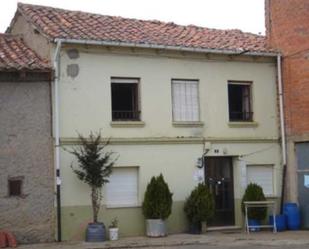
{"points": [[262, 175], [122, 189], [15, 186]]}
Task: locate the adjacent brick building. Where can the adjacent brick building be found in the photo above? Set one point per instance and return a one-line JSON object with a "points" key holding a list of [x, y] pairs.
{"points": [[287, 28], [26, 165]]}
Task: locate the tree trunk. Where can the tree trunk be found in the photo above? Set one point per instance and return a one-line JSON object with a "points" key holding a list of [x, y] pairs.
{"points": [[96, 202]]}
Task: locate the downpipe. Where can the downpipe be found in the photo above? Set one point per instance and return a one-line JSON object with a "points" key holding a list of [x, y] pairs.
{"points": [[56, 128], [282, 126]]}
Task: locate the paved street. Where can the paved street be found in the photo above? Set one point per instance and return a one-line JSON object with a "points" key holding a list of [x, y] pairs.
{"points": [[206, 246], [232, 247], [213, 240]]}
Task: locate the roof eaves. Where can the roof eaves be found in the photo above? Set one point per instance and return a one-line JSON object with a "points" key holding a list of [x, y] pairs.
{"points": [[167, 47]]}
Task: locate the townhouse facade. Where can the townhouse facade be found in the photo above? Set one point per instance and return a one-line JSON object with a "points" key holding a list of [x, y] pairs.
{"points": [[287, 29], [192, 103]]}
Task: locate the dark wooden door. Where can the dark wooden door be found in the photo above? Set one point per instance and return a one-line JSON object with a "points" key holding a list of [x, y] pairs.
{"points": [[219, 178]]}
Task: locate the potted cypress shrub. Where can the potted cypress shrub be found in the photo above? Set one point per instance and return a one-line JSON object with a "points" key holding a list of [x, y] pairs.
{"points": [[94, 168], [157, 206], [254, 192], [199, 207]]}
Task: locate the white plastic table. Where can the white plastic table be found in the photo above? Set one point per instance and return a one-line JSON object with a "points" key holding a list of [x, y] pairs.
{"points": [[267, 204]]}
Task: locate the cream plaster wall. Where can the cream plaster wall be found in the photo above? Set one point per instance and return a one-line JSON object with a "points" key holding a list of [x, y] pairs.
{"points": [[86, 99], [85, 102], [177, 163]]}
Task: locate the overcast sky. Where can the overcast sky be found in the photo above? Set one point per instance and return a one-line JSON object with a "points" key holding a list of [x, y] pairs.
{"points": [[247, 15]]}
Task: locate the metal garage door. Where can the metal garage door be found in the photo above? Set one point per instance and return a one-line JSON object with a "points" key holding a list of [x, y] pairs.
{"points": [[302, 153]]}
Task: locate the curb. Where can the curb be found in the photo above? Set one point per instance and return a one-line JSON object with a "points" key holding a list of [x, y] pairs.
{"points": [[236, 242], [146, 245]]}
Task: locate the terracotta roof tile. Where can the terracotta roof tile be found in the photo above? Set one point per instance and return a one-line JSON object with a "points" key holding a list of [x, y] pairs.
{"points": [[15, 55], [58, 23]]}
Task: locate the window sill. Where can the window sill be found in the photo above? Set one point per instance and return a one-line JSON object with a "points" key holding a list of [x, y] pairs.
{"points": [[242, 124], [110, 206], [127, 124], [188, 124]]}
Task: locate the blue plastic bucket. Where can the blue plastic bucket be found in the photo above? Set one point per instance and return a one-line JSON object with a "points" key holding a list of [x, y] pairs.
{"points": [[256, 223], [291, 211], [95, 232], [280, 222]]}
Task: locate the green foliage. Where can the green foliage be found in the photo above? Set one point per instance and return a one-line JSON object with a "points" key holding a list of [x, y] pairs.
{"points": [[114, 223], [254, 193], [158, 199], [94, 166], [200, 205]]}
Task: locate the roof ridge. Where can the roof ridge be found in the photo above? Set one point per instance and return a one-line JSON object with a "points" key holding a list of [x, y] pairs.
{"points": [[155, 21]]}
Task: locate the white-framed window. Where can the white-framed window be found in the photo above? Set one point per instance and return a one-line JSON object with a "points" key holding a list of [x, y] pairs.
{"points": [[185, 100], [262, 175], [122, 189]]}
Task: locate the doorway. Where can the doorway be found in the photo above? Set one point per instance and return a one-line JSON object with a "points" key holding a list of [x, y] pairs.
{"points": [[219, 179], [302, 153]]}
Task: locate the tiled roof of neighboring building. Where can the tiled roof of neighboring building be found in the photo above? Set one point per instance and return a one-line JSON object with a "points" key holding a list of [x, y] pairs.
{"points": [[16, 55], [58, 23]]}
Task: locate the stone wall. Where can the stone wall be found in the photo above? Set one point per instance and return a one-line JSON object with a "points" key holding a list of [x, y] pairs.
{"points": [[26, 153]]}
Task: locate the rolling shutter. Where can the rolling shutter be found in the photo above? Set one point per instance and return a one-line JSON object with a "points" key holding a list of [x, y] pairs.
{"points": [[263, 176], [122, 189]]}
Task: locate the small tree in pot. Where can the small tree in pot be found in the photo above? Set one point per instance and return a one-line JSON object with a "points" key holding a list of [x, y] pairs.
{"points": [[157, 206], [94, 168], [254, 192], [199, 207]]}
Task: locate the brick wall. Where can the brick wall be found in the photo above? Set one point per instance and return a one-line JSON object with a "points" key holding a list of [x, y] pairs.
{"points": [[26, 153], [287, 28]]}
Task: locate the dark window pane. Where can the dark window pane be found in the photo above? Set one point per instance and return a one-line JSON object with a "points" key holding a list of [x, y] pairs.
{"points": [[15, 187], [125, 101], [239, 102]]}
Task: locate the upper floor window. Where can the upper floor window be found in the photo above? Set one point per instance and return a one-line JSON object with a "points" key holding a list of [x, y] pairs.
{"points": [[185, 100], [240, 106], [125, 99]]}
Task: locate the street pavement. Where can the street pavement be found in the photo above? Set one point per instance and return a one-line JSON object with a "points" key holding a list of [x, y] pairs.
{"points": [[232, 247], [211, 240]]}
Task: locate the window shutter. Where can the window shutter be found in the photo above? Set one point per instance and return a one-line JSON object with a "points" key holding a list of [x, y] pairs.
{"points": [[122, 188], [185, 100], [263, 176]]}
